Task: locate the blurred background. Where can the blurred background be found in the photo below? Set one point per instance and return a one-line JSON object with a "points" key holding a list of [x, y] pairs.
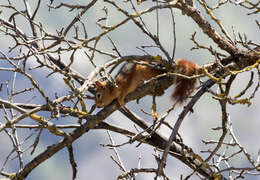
{"points": [[92, 159]]}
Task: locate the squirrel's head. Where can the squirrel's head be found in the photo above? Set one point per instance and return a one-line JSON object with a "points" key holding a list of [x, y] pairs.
{"points": [[102, 97]]}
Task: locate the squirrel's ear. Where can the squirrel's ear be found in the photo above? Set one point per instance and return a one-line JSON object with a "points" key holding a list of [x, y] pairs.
{"points": [[98, 84]]}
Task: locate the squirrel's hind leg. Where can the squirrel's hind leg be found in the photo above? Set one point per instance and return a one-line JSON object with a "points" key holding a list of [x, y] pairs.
{"points": [[121, 101]]}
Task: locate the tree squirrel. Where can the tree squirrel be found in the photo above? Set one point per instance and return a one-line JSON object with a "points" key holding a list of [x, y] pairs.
{"points": [[131, 75]]}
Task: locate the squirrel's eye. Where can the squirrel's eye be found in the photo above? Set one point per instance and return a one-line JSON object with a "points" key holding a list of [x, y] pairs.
{"points": [[98, 95]]}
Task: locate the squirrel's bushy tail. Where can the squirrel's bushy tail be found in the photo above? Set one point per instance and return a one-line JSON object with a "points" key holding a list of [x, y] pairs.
{"points": [[184, 86]]}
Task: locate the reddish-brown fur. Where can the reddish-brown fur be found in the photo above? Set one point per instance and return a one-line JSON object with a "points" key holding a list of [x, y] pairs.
{"points": [[132, 75], [184, 86]]}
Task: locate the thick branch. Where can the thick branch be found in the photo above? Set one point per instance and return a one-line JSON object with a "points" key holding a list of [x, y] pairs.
{"points": [[206, 27]]}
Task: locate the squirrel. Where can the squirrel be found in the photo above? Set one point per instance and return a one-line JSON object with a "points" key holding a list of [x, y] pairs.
{"points": [[131, 75]]}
